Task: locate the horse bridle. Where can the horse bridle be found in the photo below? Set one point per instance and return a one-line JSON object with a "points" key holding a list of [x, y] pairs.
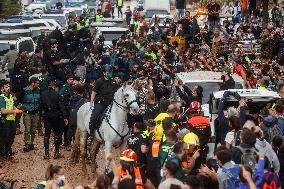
{"points": [[125, 108]]}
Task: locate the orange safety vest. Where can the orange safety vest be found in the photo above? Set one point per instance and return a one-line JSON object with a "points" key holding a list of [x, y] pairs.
{"points": [[138, 178], [199, 122], [156, 148], [186, 162]]}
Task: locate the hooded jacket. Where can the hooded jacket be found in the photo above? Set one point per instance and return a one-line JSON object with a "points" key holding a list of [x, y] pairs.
{"points": [[264, 146]]}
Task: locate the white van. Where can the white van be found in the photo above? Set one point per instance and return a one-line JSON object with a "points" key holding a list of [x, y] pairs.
{"points": [[36, 6], [110, 34], [22, 43], [151, 8], [60, 18]]}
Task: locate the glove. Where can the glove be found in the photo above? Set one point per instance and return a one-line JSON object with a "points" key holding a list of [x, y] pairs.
{"points": [[18, 111], [66, 61], [92, 104]]}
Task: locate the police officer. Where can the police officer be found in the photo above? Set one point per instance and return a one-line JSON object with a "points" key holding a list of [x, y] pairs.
{"points": [[56, 61], [7, 125], [99, 15], [53, 112], [102, 95]]}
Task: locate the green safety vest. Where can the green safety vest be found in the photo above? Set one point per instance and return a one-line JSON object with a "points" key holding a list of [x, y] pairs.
{"points": [[137, 27], [119, 3], [40, 78], [9, 106], [145, 134], [99, 17], [78, 26], [86, 22]]}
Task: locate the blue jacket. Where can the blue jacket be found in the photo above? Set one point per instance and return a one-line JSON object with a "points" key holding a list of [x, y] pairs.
{"points": [[30, 99], [258, 177]]}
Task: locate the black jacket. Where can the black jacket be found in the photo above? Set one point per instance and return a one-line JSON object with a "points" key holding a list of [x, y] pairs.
{"points": [[52, 104], [180, 4]]}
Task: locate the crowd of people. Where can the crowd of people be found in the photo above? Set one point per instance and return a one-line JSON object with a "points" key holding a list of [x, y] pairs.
{"points": [[167, 148]]}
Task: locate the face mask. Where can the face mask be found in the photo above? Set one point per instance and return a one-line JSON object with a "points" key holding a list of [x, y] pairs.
{"points": [[109, 75]]}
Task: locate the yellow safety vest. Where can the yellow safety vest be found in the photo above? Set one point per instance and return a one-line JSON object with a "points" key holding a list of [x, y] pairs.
{"points": [[9, 106], [99, 17], [86, 22], [137, 27], [78, 26], [119, 3]]}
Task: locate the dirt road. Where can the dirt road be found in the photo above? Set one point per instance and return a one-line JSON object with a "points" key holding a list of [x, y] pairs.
{"points": [[29, 168]]}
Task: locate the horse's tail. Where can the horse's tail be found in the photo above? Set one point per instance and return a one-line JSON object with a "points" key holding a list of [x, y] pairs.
{"points": [[76, 149]]}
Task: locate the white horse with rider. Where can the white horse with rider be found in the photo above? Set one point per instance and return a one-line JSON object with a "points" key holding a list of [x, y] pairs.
{"points": [[113, 130]]}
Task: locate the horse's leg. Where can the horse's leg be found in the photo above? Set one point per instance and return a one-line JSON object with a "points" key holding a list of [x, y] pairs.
{"points": [[108, 146], [123, 145], [76, 149], [94, 152], [83, 147]]}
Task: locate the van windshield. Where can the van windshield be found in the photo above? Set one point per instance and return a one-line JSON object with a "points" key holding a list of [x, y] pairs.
{"points": [[14, 36], [60, 19], [109, 36], [4, 48], [209, 88], [151, 13]]}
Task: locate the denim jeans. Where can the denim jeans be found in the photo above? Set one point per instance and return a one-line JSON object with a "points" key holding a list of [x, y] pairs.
{"points": [[180, 13]]}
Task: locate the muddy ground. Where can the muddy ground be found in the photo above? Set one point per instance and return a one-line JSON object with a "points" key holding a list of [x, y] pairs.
{"points": [[29, 168]]}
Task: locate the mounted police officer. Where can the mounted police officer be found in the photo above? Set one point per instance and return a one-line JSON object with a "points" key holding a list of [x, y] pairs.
{"points": [[102, 95], [56, 60]]}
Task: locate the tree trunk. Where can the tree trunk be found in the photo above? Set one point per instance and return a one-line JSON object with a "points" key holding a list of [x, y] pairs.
{"points": [[265, 14]]}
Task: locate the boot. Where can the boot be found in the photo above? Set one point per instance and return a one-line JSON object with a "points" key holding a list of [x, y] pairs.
{"points": [[32, 147], [46, 156], [26, 148]]}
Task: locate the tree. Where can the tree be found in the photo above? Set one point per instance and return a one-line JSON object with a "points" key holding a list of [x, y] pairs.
{"points": [[9, 8]]}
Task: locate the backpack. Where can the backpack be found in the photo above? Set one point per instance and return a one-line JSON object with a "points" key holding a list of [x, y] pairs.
{"points": [[237, 138], [232, 177], [248, 157], [274, 131], [269, 183]]}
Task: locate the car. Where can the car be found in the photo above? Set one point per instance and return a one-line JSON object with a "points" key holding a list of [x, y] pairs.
{"points": [[110, 34], [164, 22], [210, 81], [60, 18], [22, 43], [255, 98], [151, 8], [14, 34]]}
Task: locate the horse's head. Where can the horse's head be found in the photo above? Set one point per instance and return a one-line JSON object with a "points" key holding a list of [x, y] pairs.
{"points": [[130, 99]]}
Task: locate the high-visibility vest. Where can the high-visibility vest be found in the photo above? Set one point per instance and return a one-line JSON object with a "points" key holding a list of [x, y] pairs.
{"points": [[145, 134], [86, 22], [156, 148], [99, 17], [137, 27], [119, 3], [138, 178], [9, 106], [78, 26]]}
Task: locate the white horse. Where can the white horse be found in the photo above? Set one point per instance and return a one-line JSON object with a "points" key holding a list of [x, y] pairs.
{"points": [[113, 129]]}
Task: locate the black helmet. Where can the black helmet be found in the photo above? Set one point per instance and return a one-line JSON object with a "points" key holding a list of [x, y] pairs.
{"points": [[52, 41]]}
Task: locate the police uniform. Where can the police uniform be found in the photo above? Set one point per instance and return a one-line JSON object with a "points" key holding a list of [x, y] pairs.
{"points": [[104, 90], [7, 125], [53, 113], [56, 70]]}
